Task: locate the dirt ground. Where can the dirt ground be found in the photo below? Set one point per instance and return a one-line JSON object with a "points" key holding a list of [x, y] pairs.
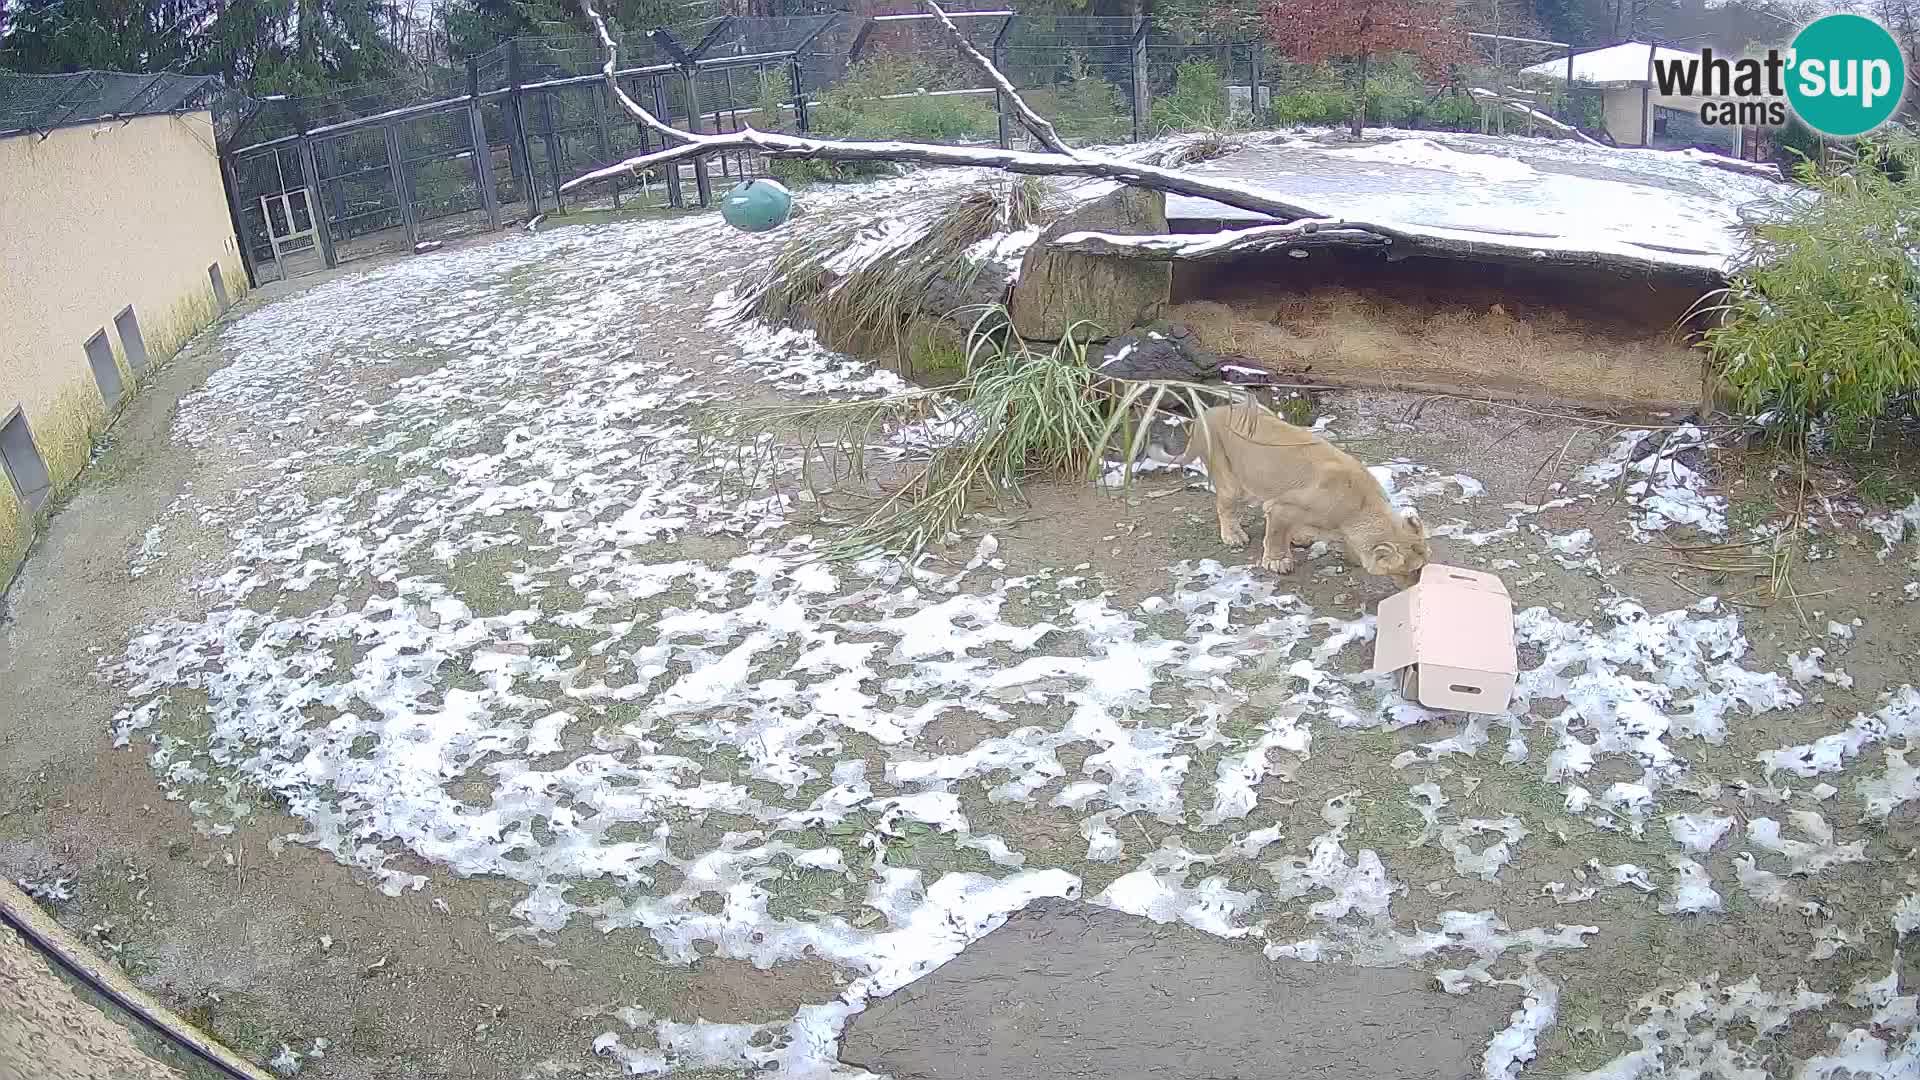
{"points": [[403, 676]]}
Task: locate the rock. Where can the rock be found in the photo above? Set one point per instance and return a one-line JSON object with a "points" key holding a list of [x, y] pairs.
{"points": [[1057, 288], [1151, 354], [966, 285], [1066, 989]]}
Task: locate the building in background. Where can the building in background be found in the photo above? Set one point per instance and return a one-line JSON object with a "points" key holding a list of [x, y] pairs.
{"points": [[1633, 110], [116, 246]]}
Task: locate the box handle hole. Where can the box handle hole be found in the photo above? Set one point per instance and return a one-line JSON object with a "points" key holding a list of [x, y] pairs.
{"points": [[1459, 689]]}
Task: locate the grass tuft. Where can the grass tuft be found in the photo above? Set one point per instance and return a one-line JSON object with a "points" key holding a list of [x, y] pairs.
{"points": [[1018, 414], [862, 308]]}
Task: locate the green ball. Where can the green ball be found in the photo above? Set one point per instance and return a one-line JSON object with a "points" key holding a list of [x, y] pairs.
{"points": [[757, 205]]}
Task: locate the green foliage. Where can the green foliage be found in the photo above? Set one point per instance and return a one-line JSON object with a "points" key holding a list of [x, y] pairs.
{"points": [[1821, 324], [1397, 96], [1085, 109], [866, 104], [1198, 101], [770, 99]]}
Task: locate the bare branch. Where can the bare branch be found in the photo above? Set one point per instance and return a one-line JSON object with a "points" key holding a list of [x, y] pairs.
{"points": [[1138, 174], [613, 84], [1032, 121], [1184, 247]]}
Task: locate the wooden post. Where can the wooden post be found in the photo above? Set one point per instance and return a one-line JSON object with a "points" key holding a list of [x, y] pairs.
{"points": [[310, 173], [482, 149], [397, 171]]}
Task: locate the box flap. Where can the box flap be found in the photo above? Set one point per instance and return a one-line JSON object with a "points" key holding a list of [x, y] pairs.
{"points": [[1459, 577], [1393, 638]]}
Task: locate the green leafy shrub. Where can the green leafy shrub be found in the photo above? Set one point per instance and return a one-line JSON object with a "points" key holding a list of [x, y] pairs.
{"points": [[1821, 324], [1311, 108], [770, 100], [865, 105], [1085, 108], [1198, 101]]}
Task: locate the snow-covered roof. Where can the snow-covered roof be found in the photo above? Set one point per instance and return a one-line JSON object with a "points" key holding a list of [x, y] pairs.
{"points": [[1624, 64], [1540, 199]]}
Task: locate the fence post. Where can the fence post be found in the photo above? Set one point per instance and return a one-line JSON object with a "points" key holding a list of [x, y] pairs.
{"points": [[674, 198], [799, 95], [231, 183], [1254, 110], [702, 185], [397, 171], [310, 173], [1000, 103], [519, 154], [1139, 54], [328, 154], [604, 140], [482, 149], [553, 147]]}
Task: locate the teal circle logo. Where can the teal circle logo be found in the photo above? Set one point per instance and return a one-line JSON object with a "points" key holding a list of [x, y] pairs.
{"points": [[1847, 75]]}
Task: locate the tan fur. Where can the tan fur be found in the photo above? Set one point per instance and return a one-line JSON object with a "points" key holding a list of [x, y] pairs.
{"points": [[1307, 487]]}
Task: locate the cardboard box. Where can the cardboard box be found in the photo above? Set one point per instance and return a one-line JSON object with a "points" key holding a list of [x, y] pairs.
{"points": [[1450, 637]]}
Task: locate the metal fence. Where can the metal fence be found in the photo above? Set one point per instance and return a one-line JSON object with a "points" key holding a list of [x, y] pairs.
{"points": [[38, 104], [395, 165]]}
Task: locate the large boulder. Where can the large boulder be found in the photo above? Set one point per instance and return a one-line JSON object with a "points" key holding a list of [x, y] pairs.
{"points": [[1058, 289], [963, 287]]}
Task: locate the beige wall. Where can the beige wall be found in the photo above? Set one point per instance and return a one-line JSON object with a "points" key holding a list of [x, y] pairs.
{"points": [[93, 218], [1622, 110]]}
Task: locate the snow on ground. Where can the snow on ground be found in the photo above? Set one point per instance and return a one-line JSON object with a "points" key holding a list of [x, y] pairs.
{"points": [[534, 635]]}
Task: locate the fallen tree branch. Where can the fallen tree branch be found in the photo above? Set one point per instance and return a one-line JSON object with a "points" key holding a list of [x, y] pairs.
{"points": [[1042, 128], [1521, 108], [1138, 174], [1398, 243]]}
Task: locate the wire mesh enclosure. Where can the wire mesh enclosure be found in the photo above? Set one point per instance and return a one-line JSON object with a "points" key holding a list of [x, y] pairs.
{"points": [[395, 165], [41, 103]]}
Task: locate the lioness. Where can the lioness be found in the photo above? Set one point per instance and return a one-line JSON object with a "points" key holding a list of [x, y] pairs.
{"points": [[1308, 487]]}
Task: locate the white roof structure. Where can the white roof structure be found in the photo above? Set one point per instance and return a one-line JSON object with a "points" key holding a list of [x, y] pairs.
{"points": [[1627, 64]]}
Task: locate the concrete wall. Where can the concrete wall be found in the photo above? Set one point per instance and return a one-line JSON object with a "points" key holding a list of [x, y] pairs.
{"points": [[93, 218]]}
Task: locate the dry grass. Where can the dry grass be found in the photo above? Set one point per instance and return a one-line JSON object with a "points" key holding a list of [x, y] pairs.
{"points": [[863, 311], [1403, 339]]}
